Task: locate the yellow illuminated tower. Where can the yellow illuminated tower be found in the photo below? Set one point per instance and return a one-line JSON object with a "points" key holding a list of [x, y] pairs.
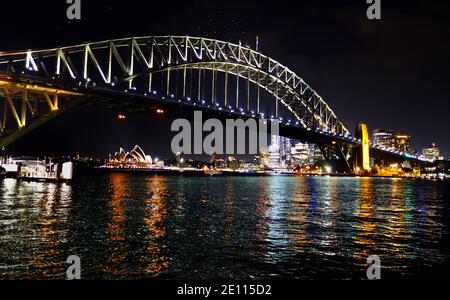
{"points": [[362, 155]]}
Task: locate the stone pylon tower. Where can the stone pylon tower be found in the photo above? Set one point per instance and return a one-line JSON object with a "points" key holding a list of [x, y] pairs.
{"points": [[362, 152]]}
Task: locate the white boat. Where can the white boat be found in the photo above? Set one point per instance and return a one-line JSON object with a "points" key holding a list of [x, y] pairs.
{"points": [[38, 170]]}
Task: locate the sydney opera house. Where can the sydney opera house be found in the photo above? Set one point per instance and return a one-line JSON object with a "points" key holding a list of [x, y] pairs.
{"points": [[136, 158]]}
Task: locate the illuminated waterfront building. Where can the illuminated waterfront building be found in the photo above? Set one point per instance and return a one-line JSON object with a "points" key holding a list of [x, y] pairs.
{"points": [[402, 142], [391, 140], [274, 156], [285, 151], [264, 156], [134, 158], [383, 138], [431, 153], [305, 155], [279, 152]]}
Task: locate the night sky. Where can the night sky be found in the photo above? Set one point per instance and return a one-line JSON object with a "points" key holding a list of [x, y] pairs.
{"points": [[390, 73]]}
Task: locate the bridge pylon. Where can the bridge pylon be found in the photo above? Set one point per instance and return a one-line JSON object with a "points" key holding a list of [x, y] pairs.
{"points": [[361, 153]]}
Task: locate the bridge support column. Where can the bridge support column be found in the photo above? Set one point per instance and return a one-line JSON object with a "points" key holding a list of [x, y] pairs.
{"points": [[361, 163]]}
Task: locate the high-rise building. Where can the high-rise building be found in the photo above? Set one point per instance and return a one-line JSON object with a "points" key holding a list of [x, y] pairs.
{"points": [[390, 140], [280, 152], [402, 142], [301, 154], [305, 155], [274, 157], [285, 152], [264, 156], [383, 138], [432, 153]]}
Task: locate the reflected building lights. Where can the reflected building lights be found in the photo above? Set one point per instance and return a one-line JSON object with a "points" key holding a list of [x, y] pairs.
{"points": [[155, 214], [115, 228]]}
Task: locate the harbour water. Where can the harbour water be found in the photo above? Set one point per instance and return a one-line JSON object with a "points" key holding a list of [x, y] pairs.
{"points": [[131, 226]]}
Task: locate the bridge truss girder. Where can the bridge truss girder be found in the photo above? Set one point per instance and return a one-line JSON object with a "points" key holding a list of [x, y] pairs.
{"points": [[127, 60], [24, 107]]}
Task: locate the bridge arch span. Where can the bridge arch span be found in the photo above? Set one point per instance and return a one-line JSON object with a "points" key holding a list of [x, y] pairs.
{"points": [[142, 63]]}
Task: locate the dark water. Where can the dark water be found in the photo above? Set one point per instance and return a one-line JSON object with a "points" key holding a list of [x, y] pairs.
{"points": [[133, 226]]}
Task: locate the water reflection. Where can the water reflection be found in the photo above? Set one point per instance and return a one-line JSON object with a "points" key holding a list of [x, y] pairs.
{"points": [[33, 218], [133, 226], [155, 214], [365, 228], [115, 229]]}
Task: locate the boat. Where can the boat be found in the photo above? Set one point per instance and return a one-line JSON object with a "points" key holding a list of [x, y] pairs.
{"points": [[213, 172], [30, 169]]}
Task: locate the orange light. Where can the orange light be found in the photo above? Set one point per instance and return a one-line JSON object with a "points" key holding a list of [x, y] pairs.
{"points": [[121, 117], [159, 111]]}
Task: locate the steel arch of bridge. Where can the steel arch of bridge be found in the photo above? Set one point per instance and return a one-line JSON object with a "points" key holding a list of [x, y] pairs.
{"points": [[130, 59]]}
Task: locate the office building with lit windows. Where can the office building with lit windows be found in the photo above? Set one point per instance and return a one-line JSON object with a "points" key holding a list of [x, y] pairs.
{"points": [[383, 138], [390, 139], [431, 153]]}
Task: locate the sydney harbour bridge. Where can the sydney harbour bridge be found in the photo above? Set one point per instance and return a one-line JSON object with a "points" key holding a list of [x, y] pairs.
{"points": [[179, 74]]}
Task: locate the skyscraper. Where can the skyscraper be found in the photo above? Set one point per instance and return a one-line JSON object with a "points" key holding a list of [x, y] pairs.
{"points": [[383, 138], [390, 139], [305, 155], [280, 152], [431, 153], [402, 142]]}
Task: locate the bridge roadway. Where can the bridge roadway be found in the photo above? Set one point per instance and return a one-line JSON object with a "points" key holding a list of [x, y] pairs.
{"points": [[132, 102], [112, 74]]}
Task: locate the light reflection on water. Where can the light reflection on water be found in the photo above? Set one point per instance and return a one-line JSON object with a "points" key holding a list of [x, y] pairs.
{"points": [[133, 226]]}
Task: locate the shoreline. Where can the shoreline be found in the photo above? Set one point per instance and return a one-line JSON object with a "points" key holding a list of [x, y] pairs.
{"points": [[226, 173]]}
